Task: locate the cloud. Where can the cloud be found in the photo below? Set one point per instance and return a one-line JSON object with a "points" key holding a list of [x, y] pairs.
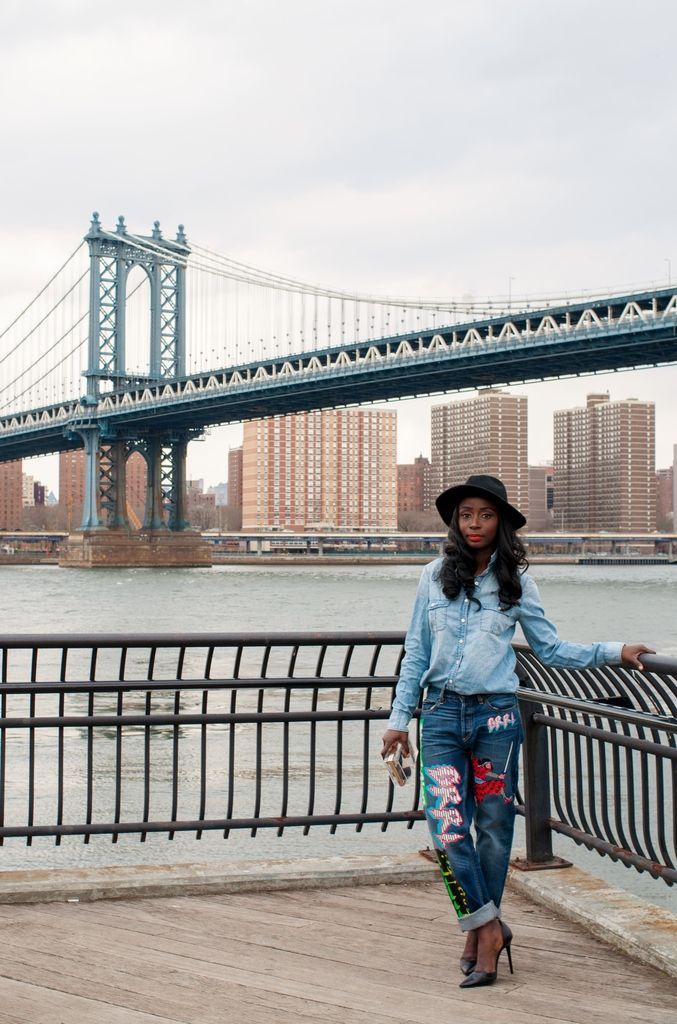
{"points": [[439, 148]]}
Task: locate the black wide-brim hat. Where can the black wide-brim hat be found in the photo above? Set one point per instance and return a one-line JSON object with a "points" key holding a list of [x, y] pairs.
{"points": [[483, 487]]}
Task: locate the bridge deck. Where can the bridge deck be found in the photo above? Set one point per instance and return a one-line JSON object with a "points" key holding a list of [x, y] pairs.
{"points": [[369, 955]]}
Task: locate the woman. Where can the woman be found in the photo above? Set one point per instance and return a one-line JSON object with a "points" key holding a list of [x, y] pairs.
{"points": [[458, 646]]}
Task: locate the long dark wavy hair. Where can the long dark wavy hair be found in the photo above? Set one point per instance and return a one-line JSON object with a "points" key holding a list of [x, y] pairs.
{"points": [[458, 568]]}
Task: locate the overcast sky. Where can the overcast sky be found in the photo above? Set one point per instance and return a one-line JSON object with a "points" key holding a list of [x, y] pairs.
{"points": [[440, 148]]}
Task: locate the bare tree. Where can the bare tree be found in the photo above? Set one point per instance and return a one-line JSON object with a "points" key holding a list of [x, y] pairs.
{"points": [[420, 522]]}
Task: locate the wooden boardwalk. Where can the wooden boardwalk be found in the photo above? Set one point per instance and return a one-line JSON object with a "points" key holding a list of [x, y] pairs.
{"points": [[365, 955]]}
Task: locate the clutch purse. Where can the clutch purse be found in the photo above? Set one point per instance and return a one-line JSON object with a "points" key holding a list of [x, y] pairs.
{"points": [[400, 767]]}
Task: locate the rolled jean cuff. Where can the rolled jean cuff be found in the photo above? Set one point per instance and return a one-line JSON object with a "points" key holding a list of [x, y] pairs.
{"points": [[479, 917]]}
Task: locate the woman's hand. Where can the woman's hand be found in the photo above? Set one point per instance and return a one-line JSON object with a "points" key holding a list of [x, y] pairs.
{"points": [[630, 655], [394, 738]]}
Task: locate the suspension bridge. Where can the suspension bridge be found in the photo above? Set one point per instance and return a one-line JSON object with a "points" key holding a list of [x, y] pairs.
{"points": [[139, 342]]}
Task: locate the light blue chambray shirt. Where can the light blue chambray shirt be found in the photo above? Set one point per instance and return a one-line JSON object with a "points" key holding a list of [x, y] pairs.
{"points": [[457, 646]]}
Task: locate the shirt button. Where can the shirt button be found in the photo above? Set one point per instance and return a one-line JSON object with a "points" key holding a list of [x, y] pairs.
{"points": [[461, 640], [462, 620]]}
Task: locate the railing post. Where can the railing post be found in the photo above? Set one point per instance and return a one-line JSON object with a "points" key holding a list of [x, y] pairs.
{"points": [[536, 794]]}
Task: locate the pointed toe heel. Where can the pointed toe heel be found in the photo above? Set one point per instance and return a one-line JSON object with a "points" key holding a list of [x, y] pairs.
{"points": [[477, 978], [467, 966]]}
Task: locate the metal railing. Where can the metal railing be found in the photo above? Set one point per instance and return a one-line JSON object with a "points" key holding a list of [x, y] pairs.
{"points": [[601, 749], [195, 733]]}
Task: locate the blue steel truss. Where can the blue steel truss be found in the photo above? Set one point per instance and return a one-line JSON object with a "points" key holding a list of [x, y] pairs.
{"points": [[112, 256], [620, 332]]}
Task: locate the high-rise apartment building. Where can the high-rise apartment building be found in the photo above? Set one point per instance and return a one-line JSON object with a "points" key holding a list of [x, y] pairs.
{"points": [[486, 434], [665, 485], [235, 478], [414, 486], [605, 475], [72, 487], [674, 486], [28, 493], [331, 469], [541, 497], [11, 495]]}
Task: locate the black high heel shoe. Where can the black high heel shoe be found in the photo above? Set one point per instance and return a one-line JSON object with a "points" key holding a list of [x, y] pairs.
{"points": [[467, 966], [477, 978]]}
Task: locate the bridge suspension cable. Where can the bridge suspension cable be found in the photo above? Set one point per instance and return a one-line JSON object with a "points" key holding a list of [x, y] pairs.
{"points": [[236, 313], [246, 313], [42, 291], [35, 369], [39, 348]]}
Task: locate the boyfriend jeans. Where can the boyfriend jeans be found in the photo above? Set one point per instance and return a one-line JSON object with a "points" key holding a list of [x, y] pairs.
{"points": [[469, 765]]}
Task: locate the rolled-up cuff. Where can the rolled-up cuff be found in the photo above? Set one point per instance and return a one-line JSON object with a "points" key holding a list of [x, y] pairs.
{"points": [[611, 653], [479, 917], [399, 720]]}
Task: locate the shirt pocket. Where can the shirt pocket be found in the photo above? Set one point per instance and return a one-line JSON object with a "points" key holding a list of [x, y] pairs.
{"points": [[495, 622], [438, 615]]}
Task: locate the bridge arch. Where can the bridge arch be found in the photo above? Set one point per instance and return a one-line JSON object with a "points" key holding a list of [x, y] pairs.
{"points": [[137, 339]]}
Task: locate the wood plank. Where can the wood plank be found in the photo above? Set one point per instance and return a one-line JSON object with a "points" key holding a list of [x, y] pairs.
{"points": [[197, 953], [380, 953], [32, 1004]]}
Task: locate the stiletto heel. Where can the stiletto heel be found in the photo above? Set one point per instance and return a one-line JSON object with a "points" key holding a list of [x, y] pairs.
{"points": [[507, 949], [507, 939], [477, 978]]}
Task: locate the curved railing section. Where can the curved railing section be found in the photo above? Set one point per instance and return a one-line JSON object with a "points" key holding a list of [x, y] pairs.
{"points": [[600, 761], [164, 733]]}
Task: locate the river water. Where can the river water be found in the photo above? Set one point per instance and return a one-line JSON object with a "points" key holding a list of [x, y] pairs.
{"points": [[587, 603]]}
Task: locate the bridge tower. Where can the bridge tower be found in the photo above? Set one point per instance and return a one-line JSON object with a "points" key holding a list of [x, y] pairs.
{"points": [[105, 527]]}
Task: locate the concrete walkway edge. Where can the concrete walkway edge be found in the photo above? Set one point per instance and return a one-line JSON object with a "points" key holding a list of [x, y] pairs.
{"points": [[643, 930]]}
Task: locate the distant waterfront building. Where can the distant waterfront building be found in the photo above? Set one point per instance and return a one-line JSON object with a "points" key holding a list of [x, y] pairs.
{"points": [[235, 478], [72, 488], [486, 434], [136, 473], [674, 485], [414, 486], [541, 498], [200, 505], [27, 490], [11, 495], [605, 476], [220, 492], [332, 469], [665, 485]]}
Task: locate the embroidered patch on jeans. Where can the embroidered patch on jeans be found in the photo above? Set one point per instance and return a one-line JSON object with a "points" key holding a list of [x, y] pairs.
{"points": [[487, 782], [456, 892], [497, 722], [445, 790]]}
